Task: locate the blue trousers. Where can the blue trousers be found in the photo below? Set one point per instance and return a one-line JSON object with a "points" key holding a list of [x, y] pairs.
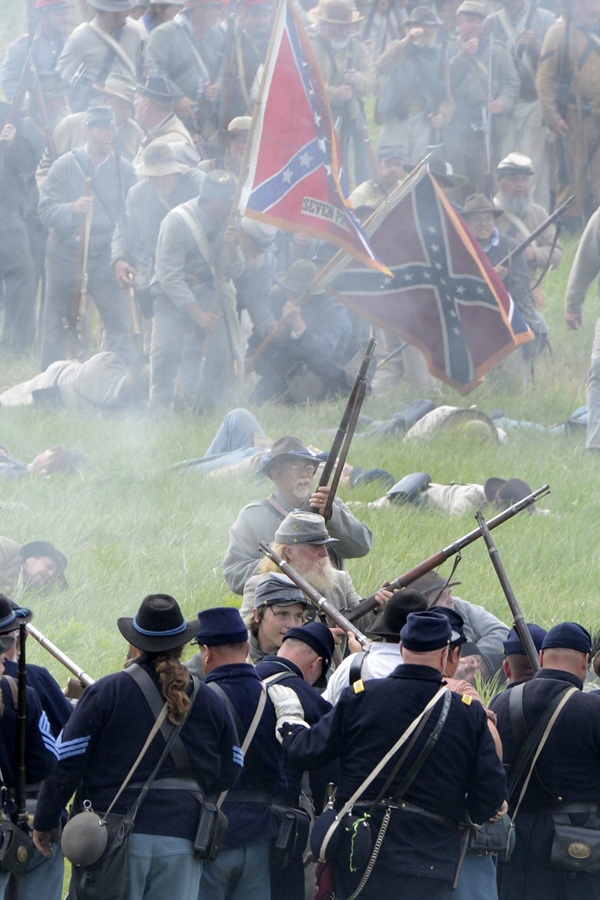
{"points": [[161, 867], [233, 442], [241, 874]]}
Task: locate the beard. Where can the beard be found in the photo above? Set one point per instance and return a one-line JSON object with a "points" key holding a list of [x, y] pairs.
{"points": [[302, 490], [519, 206], [320, 574]]}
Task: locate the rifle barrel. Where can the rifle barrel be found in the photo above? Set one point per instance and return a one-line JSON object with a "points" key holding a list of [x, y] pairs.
{"points": [[85, 679], [515, 609], [536, 232], [437, 559]]}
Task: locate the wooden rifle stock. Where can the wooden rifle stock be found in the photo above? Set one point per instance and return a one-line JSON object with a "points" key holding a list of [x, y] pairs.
{"points": [[345, 433], [21, 774], [438, 558], [519, 619], [85, 679], [320, 603]]}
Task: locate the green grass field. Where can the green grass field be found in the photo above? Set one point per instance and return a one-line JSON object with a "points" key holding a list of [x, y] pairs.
{"points": [[130, 526]]}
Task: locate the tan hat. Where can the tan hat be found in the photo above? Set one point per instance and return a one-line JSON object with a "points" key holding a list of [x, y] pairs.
{"points": [[117, 85], [157, 160], [472, 8], [262, 234], [479, 203], [515, 164], [239, 124], [335, 12]]}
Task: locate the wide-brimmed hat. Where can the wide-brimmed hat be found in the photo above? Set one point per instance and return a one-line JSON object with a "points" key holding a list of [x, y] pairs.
{"points": [[443, 173], [335, 12], [156, 87], [432, 583], [515, 164], [479, 203], [298, 277], [506, 491], [391, 151], [118, 85], [287, 448], [158, 625], [158, 160], [389, 622], [11, 615], [303, 528], [423, 15], [45, 548]]}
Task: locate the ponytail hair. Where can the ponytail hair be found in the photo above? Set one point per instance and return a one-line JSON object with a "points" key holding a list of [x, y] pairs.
{"points": [[174, 678]]}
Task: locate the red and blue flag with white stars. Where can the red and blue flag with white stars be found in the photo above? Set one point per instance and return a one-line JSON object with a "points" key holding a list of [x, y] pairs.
{"points": [[444, 295], [293, 177]]}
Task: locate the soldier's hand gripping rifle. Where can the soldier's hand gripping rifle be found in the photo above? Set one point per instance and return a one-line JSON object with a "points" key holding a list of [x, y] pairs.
{"points": [[438, 558], [345, 433], [519, 619], [320, 603]]}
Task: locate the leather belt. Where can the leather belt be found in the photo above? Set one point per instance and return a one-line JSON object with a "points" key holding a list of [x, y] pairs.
{"points": [[170, 784], [402, 805]]}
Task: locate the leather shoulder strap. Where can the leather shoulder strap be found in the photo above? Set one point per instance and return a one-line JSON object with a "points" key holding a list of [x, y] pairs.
{"points": [[178, 752]]}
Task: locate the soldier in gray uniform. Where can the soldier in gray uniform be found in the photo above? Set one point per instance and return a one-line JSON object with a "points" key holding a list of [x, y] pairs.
{"points": [[51, 27], [523, 34], [165, 183], [186, 52], [109, 43], [63, 207], [190, 242], [484, 85]]}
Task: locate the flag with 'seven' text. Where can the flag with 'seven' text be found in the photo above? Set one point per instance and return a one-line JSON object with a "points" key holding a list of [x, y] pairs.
{"points": [[293, 178], [444, 297]]}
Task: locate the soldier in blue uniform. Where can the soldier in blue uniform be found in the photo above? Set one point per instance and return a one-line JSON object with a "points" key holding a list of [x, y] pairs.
{"points": [[303, 659], [462, 774], [241, 870], [566, 781], [105, 735]]}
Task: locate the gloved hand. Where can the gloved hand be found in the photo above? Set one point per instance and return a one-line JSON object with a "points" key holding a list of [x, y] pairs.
{"points": [[288, 708]]}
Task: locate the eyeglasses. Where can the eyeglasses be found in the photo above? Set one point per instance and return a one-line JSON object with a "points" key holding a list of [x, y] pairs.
{"points": [[296, 468]]}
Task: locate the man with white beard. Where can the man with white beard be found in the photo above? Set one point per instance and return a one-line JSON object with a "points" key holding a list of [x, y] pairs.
{"points": [[291, 467], [302, 540], [521, 216]]}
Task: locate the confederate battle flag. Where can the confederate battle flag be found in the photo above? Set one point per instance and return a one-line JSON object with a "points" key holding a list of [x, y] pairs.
{"points": [[294, 170], [445, 297]]}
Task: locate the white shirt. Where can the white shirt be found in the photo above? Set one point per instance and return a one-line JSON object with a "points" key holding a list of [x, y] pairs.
{"points": [[380, 660]]}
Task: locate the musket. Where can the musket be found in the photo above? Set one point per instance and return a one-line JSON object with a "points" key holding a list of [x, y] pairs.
{"points": [[343, 438], [81, 279], [226, 93], [21, 773], [43, 112], [487, 126], [84, 679], [519, 619], [432, 562], [271, 335], [21, 91], [536, 232], [564, 83], [319, 602]]}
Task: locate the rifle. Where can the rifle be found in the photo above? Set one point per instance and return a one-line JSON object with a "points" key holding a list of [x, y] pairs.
{"points": [[564, 174], [84, 679], [271, 335], [21, 91], [81, 278], [487, 127], [535, 233], [320, 603], [225, 104], [519, 619], [345, 433], [432, 562], [43, 113]]}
